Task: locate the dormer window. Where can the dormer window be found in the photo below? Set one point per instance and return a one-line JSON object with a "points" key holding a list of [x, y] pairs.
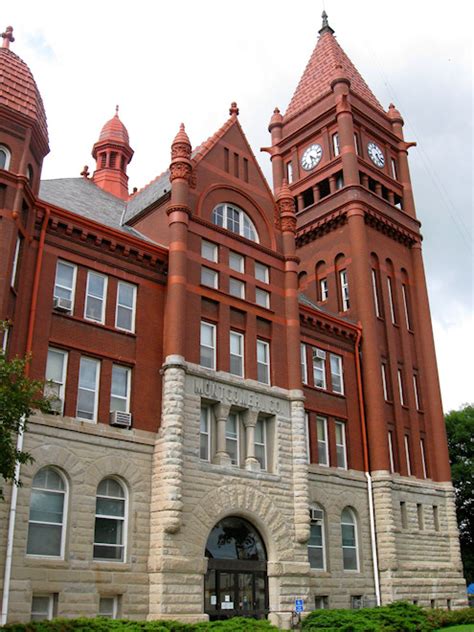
{"points": [[236, 220], [5, 157]]}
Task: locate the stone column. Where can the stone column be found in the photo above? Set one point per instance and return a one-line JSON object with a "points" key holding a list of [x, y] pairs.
{"points": [[221, 412], [250, 421]]}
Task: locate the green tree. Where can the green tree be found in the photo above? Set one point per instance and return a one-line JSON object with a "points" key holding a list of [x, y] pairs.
{"points": [[460, 429], [19, 395]]}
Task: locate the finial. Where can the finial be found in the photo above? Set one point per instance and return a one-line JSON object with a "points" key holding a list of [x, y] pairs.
{"points": [[325, 28], [233, 110], [8, 37], [85, 172], [116, 110]]}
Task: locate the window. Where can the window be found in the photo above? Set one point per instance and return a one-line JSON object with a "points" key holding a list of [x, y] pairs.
{"points": [[323, 290], [420, 517], [390, 451], [209, 277], [391, 300], [16, 258], [316, 544], [208, 345], [350, 557], [403, 514], [65, 283], [289, 172], [321, 602], [209, 251], [236, 354], [376, 293], [405, 306], [383, 367], [43, 607], [236, 262], [393, 163], [108, 607], [263, 362], [96, 292], [344, 290], [407, 454], [262, 272], [304, 364], [30, 175], [120, 389], [357, 602], [46, 523], [323, 446], [400, 387], [319, 368], [110, 524], [262, 297], [436, 517], [205, 434], [415, 390], [423, 458], [232, 427], [126, 301], [307, 441], [335, 145], [56, 367], [337, 382], [261, 442], [234, 219], [356, 144], [236, 288], [88, 389], [5, 157], [341, 450]]}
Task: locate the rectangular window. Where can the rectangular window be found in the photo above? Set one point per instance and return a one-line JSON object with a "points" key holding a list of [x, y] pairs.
{"points": [[263, 362], [356, 144], [420, 517], [319, 368], [323, 290], [323, 446], [344, 290], [236, 353], [376, 293], [260, 443], [393, 163], [232, 437], [289, 172], [316, 552], [205, 434], [262, 272], [120, 389], [208, 345], [335, 145], [88, 389], [390, 452], [403, 514], [436, 517], [356, 602], [407, 454], [383, 367], [391, 300], [246, 169], [423, 458], [42, 607], [56, 368], [236, 262], [6, 332], [96, 293], [405, 306], [415, 390], [126, 302], [236, 288], [64, 285], [337, 381], [304, 364], [321, 602], [108, 607], [307, 439], [209, 251], [341, 450], [262, 297], [16, 258], [209, 277], [400, 387]]}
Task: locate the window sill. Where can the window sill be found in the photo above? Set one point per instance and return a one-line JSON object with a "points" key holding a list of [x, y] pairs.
{"points": [[94, 323], [324, 390]]}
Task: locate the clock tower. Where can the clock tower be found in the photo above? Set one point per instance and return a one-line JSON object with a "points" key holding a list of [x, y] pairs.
{"points": [[358, 238]]}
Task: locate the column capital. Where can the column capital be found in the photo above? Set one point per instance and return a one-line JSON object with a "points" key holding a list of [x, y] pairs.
{"points": [[250, 418]]}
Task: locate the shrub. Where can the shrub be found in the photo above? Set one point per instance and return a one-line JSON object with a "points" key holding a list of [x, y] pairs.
{"points": [[447, 618]]}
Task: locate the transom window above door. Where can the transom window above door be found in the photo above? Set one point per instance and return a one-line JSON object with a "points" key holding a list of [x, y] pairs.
{"points": [[236, 220]]}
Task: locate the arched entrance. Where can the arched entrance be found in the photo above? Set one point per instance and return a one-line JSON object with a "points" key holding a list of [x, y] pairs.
{"points": [[236, 581]]}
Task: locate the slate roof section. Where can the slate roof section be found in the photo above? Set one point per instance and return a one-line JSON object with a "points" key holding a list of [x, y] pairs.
{"points": [[147, 196], [304, 300], [316, 78]]}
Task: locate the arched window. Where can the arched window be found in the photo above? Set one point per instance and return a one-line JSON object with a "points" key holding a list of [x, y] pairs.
{"points": [[30, 174], [235, 219], [316, 543], [5, 156], [110, 521], [46, 525], [350, 554]]}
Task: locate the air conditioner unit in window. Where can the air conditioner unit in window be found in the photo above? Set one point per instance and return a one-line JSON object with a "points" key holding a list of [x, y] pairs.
{"points": [[320, 354], [52, 392], [315, 514], [119, 418], [63, 305]]}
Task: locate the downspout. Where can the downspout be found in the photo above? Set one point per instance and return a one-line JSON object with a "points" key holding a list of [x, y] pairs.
{"points": [[373, 539]]}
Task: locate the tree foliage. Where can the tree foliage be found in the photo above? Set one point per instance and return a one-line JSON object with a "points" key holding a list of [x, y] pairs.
{"points": [[460, 430]]}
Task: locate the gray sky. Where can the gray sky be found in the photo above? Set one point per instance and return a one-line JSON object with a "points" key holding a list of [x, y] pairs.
{"points": [[165, 63]]}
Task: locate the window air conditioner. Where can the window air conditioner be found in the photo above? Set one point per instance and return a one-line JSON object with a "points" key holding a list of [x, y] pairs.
{"points": [[121, 419], [320, 354], [62, 305], [315, 514], [52, 393]]}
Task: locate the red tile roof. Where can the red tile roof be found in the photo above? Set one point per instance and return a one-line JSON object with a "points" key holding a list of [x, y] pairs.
{"points": [[18, 89], [319, 71]]}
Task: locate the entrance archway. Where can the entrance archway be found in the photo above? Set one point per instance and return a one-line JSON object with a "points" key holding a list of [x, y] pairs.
{"points": [[236, 581]]}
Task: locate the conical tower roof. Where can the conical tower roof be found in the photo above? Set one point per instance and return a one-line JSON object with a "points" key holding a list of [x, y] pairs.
{"points": [[114, 131], [317, 76]]}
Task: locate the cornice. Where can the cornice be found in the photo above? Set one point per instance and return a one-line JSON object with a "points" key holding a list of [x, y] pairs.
{"points": [[392, 229], [328, 324], [321, 226]]}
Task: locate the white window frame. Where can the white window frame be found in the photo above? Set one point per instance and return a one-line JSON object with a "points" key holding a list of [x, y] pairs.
{"points": [[49, 390], [220, 217], [206, 433], [6, 333], [239, 286], [240, 337], [213, 277], [213, 329], [390, 451], [234, 438], [289, 172], [319, 522], [401, 392], [237, 257], [260, 444], [423, 458], [356, 143], [344, 283], [405, 306], [71, 289], [126, 399], [123, 546], [263, 344], [353, 524], [95, 391], [393, 164], [37, 616], [319, 365], [391, 300], [324, 289], [63, 524], [336, 150], [127, 307], [16, 257], [336, 359], [307, 437], [383, 368], [304, 363], [262, 297], [323, 443], [416, 392], [407, 455], [115, 608], [262, 272], [212, 248], [102, 298], [341, 448], [8, 157], [376, 293]]}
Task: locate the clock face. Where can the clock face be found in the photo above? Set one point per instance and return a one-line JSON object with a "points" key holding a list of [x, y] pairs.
{"points": [[311, 157], [376, 155]]}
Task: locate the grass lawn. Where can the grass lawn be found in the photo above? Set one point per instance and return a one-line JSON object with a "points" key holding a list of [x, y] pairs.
{"points": [[458, 628]]}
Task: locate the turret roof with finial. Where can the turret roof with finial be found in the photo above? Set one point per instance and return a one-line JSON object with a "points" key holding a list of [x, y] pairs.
{"points": [[317, 76], [114, 130]]}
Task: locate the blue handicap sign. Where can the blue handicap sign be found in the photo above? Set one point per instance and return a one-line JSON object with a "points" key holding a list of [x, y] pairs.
{"points": [[299, 605]]}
